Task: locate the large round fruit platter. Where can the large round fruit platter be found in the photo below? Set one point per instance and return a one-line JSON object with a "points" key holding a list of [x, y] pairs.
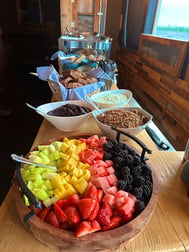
{"points": [[97, 194]]}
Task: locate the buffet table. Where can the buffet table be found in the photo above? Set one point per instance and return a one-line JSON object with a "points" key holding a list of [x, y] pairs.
{"points": [[168, 229]]}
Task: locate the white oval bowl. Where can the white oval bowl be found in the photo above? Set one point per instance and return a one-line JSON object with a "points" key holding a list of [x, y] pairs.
{"points": [[101, 105], [133, 131], [67, 124]]}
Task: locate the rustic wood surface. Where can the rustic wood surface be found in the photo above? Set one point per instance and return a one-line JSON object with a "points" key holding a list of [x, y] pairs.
{"points": [[168, 229], [160, 93]]}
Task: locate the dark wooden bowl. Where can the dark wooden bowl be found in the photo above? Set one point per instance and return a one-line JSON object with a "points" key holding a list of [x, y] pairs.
{"points": [[100, 241]]}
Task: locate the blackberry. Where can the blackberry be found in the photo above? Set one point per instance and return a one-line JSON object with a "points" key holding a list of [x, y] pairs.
{"points": [[139, 181], [128, 178], [129, 188], [136, 170], [107, 156], [119, 160], [148, 178], [118, 174], [129, 160], [123, 153], [122, 146], [139, 207], [107, 146], [137, 192], [136, 160], [125, 170], [117, 147], [121, 185], [132, 152], [146, 170], [146, 191], [117, 167]]}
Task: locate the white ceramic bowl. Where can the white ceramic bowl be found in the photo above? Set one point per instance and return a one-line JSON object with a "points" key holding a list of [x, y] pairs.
{"points": [[104, 99], [106, 129], [67, 124]]}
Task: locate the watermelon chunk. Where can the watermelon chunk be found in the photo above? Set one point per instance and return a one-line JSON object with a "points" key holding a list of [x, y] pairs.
{"points": [[109, 199]]}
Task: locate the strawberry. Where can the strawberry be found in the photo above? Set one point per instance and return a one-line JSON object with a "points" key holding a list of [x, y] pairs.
{"points": [[92, 194], [71, 201], [114, 222], [52, 219], [87, 227], [88, 208], [60, 213], [44, 213], [100, 195], [73, 215], [60, 202], [104, 214]]}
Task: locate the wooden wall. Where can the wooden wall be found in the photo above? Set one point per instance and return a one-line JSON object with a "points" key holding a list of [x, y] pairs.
{"points": [[161, 93]]}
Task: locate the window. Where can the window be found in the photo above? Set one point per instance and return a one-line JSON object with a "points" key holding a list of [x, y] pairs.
{"points": [[172, 19]]}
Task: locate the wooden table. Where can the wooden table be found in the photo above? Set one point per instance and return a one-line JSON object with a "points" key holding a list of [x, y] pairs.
{"points": [[168, 229]]}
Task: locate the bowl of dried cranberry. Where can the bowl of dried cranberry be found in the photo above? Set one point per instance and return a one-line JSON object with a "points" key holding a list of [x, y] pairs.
{"points": [[66, 116], [130, 120]]}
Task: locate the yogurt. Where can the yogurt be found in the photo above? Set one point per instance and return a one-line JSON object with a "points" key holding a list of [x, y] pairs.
{"points": [[110, 98]]}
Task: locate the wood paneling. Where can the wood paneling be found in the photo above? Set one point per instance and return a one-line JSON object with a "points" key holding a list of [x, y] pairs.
{"points": [[158, 91]]}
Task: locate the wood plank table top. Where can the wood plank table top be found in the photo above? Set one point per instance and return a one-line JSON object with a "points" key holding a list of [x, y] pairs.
{"points": [[168, 229]]}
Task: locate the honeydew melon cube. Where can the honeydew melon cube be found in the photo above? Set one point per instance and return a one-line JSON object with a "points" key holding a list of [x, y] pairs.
{"points": [[40, 194], [35, 158], [49, 170], [57, 145], [53, 163], [81, 185], [48, 184], [51, 148], [45, 152], [36, 170], [49, 175], [38, 183], [28, 166], [44, 158], [35, 153], [59, 163], [51, 157], [25, 173], [50, 201], [56, 155], [30, 185], [33, 177], [26, 200], [42, 147]]}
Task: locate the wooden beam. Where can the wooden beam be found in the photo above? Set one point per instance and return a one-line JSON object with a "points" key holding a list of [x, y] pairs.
{"points": [[65, 15]]}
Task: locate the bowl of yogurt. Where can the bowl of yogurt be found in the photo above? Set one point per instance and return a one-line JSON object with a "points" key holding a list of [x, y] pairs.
{"points": [[112, 98]]}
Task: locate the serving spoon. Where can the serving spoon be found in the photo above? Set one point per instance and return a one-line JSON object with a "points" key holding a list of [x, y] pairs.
{"points": [[21, 159], [90, 101], [36, 110]]}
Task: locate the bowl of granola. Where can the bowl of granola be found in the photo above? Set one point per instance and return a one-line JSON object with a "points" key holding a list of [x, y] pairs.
{"points": [[130, 120]]}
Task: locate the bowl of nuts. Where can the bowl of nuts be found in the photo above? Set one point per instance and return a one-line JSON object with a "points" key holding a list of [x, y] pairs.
{"points": [[130, 120], [67, 116]]}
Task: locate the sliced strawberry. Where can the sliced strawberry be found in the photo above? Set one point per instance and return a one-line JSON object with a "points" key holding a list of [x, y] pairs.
{"points": [[95, 226], [114, 222], [52, 219], [60, 202], [87, 227], [73, 215], [127, 218], [88, 208], [44, 213], [92, 194], [104, 214], [100, 195], [84, 228], [60, 213], [71, 201]]}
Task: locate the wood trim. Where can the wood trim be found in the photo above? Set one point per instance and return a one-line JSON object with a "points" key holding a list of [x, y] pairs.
{"points": [[182, 45], [65, 15]]}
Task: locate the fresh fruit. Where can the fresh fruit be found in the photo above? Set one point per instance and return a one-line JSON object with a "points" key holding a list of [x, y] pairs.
{"points": [[73, 215], [104, 214], [88, 208], [114, 222], [87, 227], [52, 219], [61, 216], [44, 213]]}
